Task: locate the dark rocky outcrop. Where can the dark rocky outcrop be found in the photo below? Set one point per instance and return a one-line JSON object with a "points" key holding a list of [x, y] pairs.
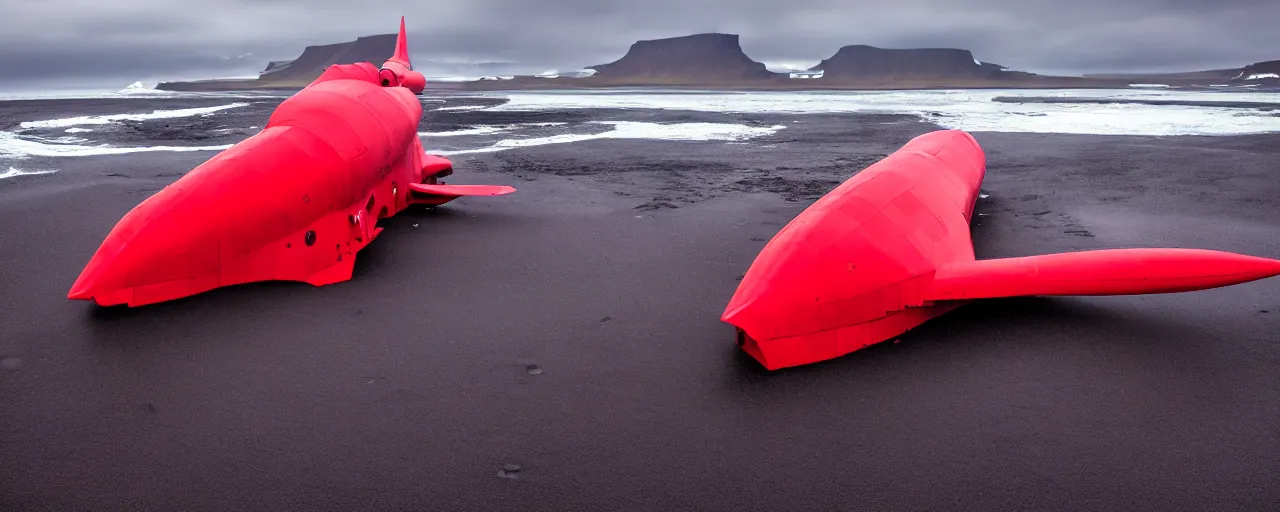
{"points": [[302, 70], [275, 65], [696, 58], [1261, 71], [315, 59], [869, 62]]}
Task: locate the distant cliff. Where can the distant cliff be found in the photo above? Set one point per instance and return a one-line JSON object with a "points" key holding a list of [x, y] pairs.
{"points": [[862, 61], [701, 58], [315, 59], [1269, 71], [1260, 73], [715, 60], [302, 70], [1211, 76]]}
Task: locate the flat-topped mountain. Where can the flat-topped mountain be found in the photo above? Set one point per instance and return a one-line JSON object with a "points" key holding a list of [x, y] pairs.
{"points": [[716, 60], [862, 61], [698, 57]]}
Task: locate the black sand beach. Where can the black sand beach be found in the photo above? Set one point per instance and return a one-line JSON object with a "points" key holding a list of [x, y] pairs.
{"points": [[571, 331]]}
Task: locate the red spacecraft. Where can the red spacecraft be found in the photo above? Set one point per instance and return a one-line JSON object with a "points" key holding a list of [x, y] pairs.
{"points": [[294, 202], [890, 249]]}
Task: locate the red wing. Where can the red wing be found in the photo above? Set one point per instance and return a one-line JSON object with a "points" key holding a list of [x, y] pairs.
{"points": [[1102, 272], [461, 190]]}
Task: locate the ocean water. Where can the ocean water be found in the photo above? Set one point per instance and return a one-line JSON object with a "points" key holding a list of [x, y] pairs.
{"points": [[968, 110], [79, 135]]}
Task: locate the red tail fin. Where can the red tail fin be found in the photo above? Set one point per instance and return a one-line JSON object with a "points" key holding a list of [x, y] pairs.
{"points": [[402, 48], [1104, 272]]}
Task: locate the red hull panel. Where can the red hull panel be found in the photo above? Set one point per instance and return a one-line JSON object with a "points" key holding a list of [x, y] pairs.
{"points": [[890, 248], [294, 202]]}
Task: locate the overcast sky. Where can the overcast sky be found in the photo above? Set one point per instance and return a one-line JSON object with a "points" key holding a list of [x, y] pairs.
{"points": [[60, 41]]}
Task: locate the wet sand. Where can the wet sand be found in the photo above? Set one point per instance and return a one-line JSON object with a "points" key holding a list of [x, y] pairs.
{"points": [[572, 329]]}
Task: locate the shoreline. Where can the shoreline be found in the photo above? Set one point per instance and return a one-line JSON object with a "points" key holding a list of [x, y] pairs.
{"points": [[796, 85]]}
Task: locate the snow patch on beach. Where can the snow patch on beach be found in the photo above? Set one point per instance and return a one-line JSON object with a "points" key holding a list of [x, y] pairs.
{"points": [[635, 130], [14, 172], [15, 146], [969, 110], [115, 118]]}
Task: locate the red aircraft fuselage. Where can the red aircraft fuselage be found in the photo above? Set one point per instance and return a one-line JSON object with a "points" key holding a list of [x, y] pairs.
{"points": [[890, 248], [293, 202]]}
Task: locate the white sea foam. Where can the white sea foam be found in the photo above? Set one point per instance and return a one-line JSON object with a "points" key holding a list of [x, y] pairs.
{"points": [[969, 110], [479, 130], [141, 89], [453, 78], [78, 130], [1260, 76], [115, 118], [635, 130], [15, 172], [15, 146], [485, 129], [464, 107], [57, 94], [65, 139]]}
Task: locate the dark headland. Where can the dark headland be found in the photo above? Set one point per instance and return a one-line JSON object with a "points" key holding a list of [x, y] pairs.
{"points": [[1267, 73], [715, 60], [701, 58], [299, 72]]}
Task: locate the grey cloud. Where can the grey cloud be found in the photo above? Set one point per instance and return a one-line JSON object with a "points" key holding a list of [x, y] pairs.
{"points": [[69, 39]]}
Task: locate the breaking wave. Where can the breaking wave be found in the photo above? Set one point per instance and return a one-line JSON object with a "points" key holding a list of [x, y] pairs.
{"points": [[485, 129], [115, 118], [463, 107], [634, 130], [15, 146], [957, 109], [141, 89], [14, 172], [479, 130]]}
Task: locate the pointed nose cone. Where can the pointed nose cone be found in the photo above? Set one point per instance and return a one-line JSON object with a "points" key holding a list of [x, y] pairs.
{"points": [[166, 246], [81, 290], [108, 270], [148, 254]]}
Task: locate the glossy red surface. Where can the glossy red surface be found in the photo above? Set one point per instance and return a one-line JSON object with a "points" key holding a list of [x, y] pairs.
{"points": [[890, 249], [293, 202]]}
